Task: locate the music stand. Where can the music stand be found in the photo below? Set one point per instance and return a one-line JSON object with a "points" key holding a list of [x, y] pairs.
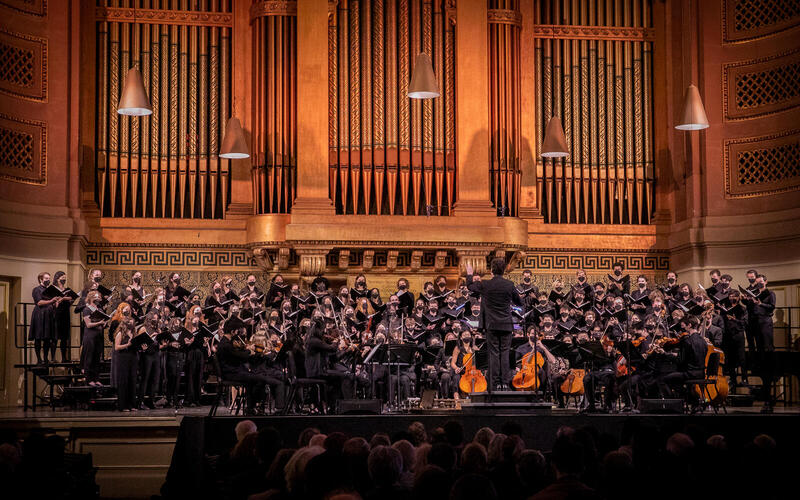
{"points": [[400, 354]]}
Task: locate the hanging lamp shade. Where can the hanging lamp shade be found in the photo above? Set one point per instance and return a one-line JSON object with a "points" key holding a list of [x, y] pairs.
{"points": [[555, 143], [694, 114], [423, 80], [134, 100], [233, 144]]}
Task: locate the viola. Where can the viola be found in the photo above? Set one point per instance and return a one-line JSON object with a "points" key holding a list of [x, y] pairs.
{"points": [[527, 378], [472, 380]]}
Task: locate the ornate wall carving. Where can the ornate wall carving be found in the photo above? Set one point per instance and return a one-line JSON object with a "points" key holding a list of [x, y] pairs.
{"points": [[760, 166], [23, 66], [596, 73], [23, 150], [761, 86], [274, 107], [165, 164], [746, 20], [33, 7], [378, 136], [172, 257]]}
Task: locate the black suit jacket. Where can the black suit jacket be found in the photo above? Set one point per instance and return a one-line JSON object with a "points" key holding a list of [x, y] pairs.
{"points": [[497, 295]]}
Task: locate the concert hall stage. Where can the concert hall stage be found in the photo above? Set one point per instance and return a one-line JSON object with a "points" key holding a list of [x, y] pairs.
{"points": [[136, 454]]}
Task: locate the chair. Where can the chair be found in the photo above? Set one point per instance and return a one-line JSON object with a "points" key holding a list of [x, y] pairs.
{"points": [[712, 367], [222, 386]]}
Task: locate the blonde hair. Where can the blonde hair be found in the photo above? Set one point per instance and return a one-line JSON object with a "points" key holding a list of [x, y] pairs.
{"points": [[94, 294]]}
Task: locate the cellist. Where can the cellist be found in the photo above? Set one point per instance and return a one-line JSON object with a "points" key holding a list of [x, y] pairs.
{"points": [[465, 345]]}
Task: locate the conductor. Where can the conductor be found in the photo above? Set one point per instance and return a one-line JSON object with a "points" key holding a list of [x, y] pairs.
{"points": [[496, 294]]}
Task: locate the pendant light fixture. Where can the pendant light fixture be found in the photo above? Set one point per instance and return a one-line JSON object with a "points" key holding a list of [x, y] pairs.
{"points": [[555, 143], [134, 100], [233, 144], [694, 114], [423, 81]]}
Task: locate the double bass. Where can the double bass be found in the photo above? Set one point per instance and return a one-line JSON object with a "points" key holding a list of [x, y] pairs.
{"points": [[716, 392]]}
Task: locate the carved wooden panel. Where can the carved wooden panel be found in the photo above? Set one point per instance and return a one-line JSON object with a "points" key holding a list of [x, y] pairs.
{"points": [[23, 150], [33, 7], [23, 66], [760, 166], [761, 86], [745, 20]]}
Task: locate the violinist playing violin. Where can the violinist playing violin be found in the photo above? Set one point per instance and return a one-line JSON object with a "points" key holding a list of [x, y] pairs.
{"points": [[690, 357], [233, 355]]}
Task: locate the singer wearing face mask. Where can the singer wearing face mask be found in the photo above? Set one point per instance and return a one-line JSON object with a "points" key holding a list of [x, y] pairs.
{"points": [[63, 318], [43, 319]]}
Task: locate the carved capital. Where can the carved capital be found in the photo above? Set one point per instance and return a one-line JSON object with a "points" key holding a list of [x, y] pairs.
{"points": [[441, 257], [283, 258], [344, 259], [312, 261], [475, 258], [514, 260], [263, 260], [391, 260], [369, 258], [416, 260]]}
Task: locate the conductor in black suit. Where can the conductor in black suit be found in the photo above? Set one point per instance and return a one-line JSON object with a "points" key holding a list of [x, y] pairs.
{"points": [[497, 295]]}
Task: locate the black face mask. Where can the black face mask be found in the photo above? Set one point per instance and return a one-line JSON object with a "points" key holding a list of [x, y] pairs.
{"points": [[759, 285], [714, 280], [618, 307], [251, 283], [402, 286], [547, 325], [581, 279], [442, 284], [228, 284], [650, 328], [598, 293], [137, 279], [670, 280], [656, 307], [429, 291], [751, 280], [734, 301], [126, 313], [177, 281], [642, 285], [420, 308], [361, 283], [46, 283], [62, 282], [685, 294], [218, 290], [617, 272], [98, 279], [526, 279]]}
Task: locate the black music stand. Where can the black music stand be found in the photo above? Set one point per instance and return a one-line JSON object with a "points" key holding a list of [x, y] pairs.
{"points": [[400, 355]]}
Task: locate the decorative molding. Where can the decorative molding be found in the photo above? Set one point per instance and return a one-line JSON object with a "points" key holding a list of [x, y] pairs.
{"points": [[164, 16], [762, 166], [344, 259], [274, 8], [575, 32], [23, 66], [762, 86], [391, 260], [172, 257], [416, 260], [369, 260], [36, 8], [748, 20], [505, 16], [23, 150], [593, 260]]}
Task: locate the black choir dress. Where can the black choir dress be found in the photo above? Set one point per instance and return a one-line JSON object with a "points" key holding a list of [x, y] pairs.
{"points": [[43, 318]]}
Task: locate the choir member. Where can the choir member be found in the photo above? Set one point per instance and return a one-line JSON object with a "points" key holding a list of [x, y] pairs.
{"points": [[43, 319], [62, 320], [127, 365], [149, 358], [92, 349]]}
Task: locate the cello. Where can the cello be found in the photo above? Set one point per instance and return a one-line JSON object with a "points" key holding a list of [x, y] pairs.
{"points": [[472, 379], [527, 378]]}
